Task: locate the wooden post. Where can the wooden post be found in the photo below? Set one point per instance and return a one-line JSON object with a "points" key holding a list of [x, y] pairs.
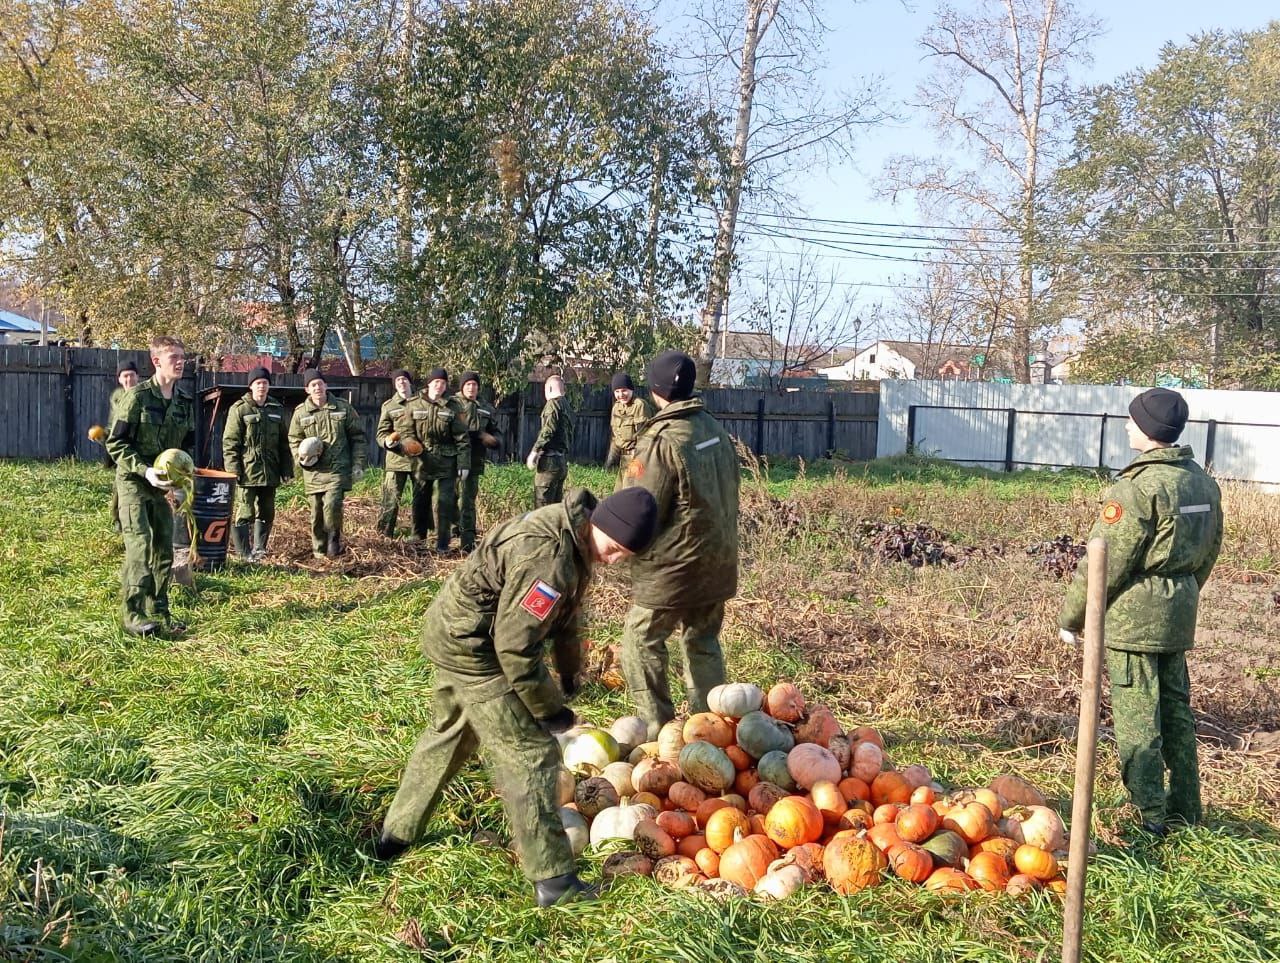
{"points": [[1093, 644]]}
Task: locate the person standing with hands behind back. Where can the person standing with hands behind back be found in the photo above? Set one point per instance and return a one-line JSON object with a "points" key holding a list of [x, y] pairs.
{"points": [[549, 459], [126, 380], [1162, 522]]}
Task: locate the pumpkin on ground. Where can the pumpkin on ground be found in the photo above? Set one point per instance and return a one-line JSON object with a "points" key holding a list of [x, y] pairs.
{"points": [[890, 787], [626, 864], [947, 848], [808, 856], [747, 861], [868, 760], [852, 863], [793, 821], [735, 699], [946, 880], [972, 821], [1017, 792], [565, 786], [652, 840], [842, 748], [707, 727], [686, 796], [785, 703], [707, 809], [854, 789], [758, 734], [576, 828], [917, 823], [708, 861], [677, 823], [1038, 826], [655, 775], [619, 822], [867, 734], [773, 768], [738, 756], [671, 741], [706, 766], [917, 775], [910, 862], [590, 751], [677, 872], [1021, 884], [691, 845], [990, 870], [619, 774], [763, 796], [819, 726], [884, 836], [1035, 862], [809, 763], [725, 827], [595, 794], [745, 781], [826, 796], [780, 883], [629, 732]]}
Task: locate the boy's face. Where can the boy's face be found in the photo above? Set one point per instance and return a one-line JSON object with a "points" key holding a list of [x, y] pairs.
{"points": [[170, 363]]}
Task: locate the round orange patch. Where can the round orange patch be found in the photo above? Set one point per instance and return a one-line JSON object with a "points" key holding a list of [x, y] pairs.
{"points": [[1112, 512]]}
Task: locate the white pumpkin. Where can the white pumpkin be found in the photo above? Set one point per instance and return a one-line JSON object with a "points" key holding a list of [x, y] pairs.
{"points": [[780, 883], [671, 741], [630, 732], [619, 773], [735, 699], [1037, 826], [576, 828], [619, 822], [590, 751]]}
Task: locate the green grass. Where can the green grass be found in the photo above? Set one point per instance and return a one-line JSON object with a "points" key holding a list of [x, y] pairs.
{"points": [[209, 799]]}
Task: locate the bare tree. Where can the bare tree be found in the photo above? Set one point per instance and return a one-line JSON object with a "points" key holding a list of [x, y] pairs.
{"points": [[806, 314], [999, 87], [759, 67]]}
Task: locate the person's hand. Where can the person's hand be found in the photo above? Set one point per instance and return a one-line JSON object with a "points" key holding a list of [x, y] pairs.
{"points": [[157, 480], [1068, 637], [560, 722], [532, 461], [569, 685], [463, 473], [391, 442], [357, 473]]}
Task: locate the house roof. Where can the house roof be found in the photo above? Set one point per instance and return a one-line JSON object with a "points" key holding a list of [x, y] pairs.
{"points": [[11, 321], [750, 345]]}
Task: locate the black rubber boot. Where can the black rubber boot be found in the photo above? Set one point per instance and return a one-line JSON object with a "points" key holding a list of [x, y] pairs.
{"points": [[1159, 830], [142, 627], [335, 546], [562, 889], [261, 533], [240, 539], [387, 847]]}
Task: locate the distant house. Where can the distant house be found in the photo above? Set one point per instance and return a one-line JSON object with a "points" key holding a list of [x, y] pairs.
{"points": [[746, 356], [910, 360], [19, 329]]}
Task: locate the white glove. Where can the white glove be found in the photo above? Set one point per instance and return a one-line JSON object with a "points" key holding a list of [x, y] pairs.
{"points": [[357, 474], [389, 444], [463, 473], [1068, 637], [532, 461], [158, 480]]}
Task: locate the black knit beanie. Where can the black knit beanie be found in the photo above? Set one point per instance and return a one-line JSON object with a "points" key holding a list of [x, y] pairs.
{"points": [[622, 380], [310, 375], [401, 373], [259, 372], [469, 376], [1160, 413], [671, 376], [629, 517], [438, 373], [128, 365]]}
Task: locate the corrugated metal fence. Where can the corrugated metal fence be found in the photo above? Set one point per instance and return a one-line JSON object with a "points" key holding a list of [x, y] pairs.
{"points": [[49, 398], [1237, 433]]}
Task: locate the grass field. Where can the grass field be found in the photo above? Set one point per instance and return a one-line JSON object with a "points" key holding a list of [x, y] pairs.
{"points": [[212, 798]]}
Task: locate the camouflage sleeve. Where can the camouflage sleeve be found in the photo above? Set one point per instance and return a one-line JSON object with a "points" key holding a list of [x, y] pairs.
{"points": [[356, 440], [1126, 524], [285, 456], [534, 589], [1202, 573], [385, 426], [121, 437], [232, 439], [550, 423], [567, 647], [461, 429], [296, 432]]}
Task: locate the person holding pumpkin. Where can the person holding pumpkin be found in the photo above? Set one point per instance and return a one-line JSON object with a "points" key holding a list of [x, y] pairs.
{"points": [[328, 442], [443, 432], [485, 632], [482, 435], [255, 448], [1162, 521], [398, 434], [687, 461], [126, 380], [629, 413]]}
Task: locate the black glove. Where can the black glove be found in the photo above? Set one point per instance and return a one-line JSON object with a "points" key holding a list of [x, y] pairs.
{"points": [[569, 685], [611, 462], [559, 722]]}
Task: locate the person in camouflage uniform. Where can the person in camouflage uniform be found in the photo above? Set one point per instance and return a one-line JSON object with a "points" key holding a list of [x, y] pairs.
{"points": [[126, 380], [549, 459], [482, 433], [626, 419], [687, 460], [156, 415], [398, 434], [255, 448], [1162, 521], [443, 432], [328, 443], [485, 632]]}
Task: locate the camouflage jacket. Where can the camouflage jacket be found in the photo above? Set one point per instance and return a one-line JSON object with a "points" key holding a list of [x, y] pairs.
{"points": [[626, 421], [403, 416], [479, 417], [1162, 521], [255, 443], [524, 584], [687, 460], [147, 423], [443, 429], [338, 425], [556, 433]]}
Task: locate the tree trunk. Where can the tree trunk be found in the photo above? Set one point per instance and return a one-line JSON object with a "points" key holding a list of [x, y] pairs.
{"points": [[759, 18]]}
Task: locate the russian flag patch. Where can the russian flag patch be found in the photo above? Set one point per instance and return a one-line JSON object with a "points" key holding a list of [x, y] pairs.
{"points": [[540, 600]]}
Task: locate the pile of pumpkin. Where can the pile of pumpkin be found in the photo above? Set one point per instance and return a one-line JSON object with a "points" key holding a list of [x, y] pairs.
{"points": [[766, 794]]}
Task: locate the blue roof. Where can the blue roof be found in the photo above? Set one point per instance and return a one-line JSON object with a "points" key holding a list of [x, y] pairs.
{"points": [[16, 322]]}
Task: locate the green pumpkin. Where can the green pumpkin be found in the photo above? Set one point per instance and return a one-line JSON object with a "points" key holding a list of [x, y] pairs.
{"points": [[707, 767], [947, 848], [759, 734], [773, 768]]}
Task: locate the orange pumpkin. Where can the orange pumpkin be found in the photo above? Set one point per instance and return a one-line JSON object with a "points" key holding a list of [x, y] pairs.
{"points": [[884, 836], [1002, 845], [947, 880], [910, 862], [655, 775], [725, 827], [708, 861], [677, 823], [1035, 862], [745, 781], [648, 799], [851, 863], [808, 856], [826, 796], [984, 796], [923, 794], [738, 756], [757, 824], [1018, 792], [708, 807], [785, 703], [990, 870], [708, 727], [972, 821], [854, 819], [853, 789], [677, 872], [1021, 884], [653, 841], [1057, 886], [793, 821], [763, 796], [917, 823], [690, 845], [747, 861], [819, 726], [686, 796], [866, 734], [891, 787], [887, 813]]}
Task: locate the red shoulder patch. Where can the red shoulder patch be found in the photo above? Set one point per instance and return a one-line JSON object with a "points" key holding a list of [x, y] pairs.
{"points": [[635, 468], [540, 600], [1112, 512]]}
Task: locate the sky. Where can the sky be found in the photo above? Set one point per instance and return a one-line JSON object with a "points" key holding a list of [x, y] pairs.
{"points": [[880, 39]]}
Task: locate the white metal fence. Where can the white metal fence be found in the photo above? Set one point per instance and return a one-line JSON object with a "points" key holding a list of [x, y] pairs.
{"points": [[1027, 426]]}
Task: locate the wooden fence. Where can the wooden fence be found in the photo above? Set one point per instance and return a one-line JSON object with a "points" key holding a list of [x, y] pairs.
{"points": [[49, 398]]}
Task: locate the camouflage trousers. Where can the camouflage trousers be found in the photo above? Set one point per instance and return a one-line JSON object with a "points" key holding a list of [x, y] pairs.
{"points": [[548, 480], [439, 473], [256, 503], [393, 483], [326, 518], [523, 757], [146, 521], [468, 490], [1155, 732], [644, 658]]}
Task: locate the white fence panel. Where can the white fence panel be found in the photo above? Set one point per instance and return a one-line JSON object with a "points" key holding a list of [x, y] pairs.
{"points": [[1064, 425]]}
